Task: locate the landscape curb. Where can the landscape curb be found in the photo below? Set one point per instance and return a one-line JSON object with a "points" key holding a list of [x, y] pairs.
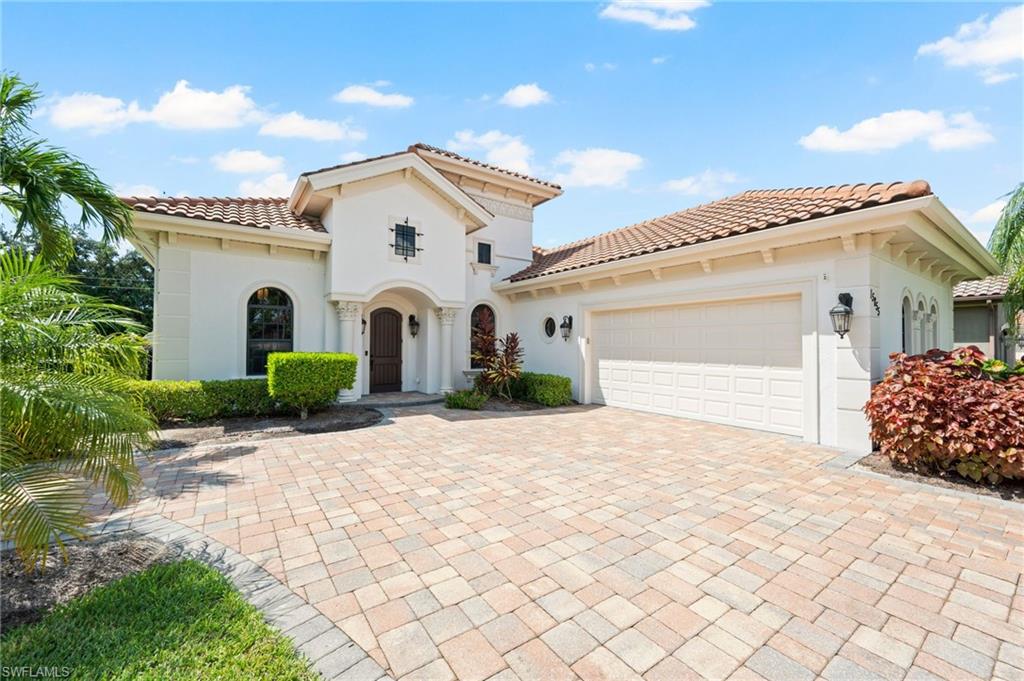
{"points": [[329, 649]]}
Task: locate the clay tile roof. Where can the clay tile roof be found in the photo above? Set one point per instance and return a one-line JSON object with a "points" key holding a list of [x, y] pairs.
{"points": [[989, 287], [481, 164], [262, 213], [750, 211]]}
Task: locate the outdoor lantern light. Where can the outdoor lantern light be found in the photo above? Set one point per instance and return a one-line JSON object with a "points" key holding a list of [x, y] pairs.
{"points": [[364, 327], [566, 327], [841, 314], [414, 325]]}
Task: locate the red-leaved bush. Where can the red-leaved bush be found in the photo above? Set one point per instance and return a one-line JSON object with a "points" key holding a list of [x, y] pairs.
{"points": [[951, 411]]}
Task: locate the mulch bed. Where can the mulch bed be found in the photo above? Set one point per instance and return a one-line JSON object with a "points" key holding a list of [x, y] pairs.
{"points": [[245, 429], [1012, 490], [501, 404], [25, 597]]}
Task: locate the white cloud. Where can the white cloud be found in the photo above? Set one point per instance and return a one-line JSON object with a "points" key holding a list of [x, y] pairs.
{"points": [[274, 185], [897, 128], [987, 215], [94, 112], [661, 15], [294, 124], [352, 156], [182, 108], [710, 183], [246, 161], [136, 190], [527, 94], [590, 67], [501, 149], [186, 108], [658, 60], [984, 45], [368, 95], [596, 167]]}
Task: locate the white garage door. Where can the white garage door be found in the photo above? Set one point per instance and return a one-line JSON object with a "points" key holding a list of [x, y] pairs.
{"points": [[735, 362]]}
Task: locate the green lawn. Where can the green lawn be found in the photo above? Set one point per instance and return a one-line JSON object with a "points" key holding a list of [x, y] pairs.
{"points": [[179, 620]]}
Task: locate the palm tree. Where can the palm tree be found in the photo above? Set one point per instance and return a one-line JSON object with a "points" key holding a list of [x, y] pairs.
{"points": [[35, 179], [67, 421], [1007, 246]]}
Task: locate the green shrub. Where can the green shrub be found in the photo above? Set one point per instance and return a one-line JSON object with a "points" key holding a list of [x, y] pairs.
{"points": [[200, 400], [465, 399], [550, 390], [305, 380], [240, 397]]}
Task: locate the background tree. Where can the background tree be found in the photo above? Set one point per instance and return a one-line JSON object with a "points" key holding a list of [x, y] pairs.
{"points": [[103, 270], [1007, 246], [37, 181], [67, 420]]}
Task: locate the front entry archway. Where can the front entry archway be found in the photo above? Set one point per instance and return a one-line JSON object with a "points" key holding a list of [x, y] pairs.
{"points": [[385, 350]]}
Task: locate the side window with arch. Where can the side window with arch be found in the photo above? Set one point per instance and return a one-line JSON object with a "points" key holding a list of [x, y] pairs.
{"points": [[482, 332], [268, 328], [907, 326], [922, 327], [933, 323]]}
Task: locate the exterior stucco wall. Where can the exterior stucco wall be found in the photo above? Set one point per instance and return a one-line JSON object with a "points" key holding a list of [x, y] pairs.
{"points": [[201, 295], [362, 259]]}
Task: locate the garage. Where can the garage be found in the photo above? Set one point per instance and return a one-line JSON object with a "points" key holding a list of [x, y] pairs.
{"points": [[736, 362]]}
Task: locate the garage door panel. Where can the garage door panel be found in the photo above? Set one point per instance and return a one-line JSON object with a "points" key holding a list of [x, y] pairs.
{"points": [[734, 362]]}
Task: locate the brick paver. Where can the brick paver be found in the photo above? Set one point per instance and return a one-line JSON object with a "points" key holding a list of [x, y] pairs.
{"points": [[606, 544]]}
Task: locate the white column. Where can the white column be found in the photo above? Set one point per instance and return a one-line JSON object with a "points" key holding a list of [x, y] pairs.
{"points": [[446, 315], [348, 316]]}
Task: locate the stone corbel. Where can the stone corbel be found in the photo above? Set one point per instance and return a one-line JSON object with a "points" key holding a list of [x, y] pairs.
{"points": [[446, 315], [347, 310]]}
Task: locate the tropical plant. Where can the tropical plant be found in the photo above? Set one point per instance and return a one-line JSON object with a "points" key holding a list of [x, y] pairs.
{"points": [[36, 179], [953, 410], [67, 420], [1007, 246], [503, 367]]}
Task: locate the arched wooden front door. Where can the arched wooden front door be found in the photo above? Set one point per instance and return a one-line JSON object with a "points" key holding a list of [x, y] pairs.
{"points": [[385, 351]]}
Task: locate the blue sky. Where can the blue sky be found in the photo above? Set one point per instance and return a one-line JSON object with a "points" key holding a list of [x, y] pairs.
{"points": [[638, 109]]}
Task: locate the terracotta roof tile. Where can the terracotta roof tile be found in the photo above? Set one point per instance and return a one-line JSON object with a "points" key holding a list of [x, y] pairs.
{"points": [[747, 212], [481, 164], [420, 146], [262, 213], [994, 286]]}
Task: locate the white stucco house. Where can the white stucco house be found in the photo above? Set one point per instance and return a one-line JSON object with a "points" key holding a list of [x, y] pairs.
{"points": [[718, 312]]}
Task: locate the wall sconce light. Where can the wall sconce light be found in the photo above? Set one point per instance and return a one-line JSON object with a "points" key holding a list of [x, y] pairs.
{"points": [[364, 327], [414, 325], [566, 327], [841, 314]]}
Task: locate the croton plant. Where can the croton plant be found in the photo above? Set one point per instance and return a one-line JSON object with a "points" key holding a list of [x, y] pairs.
{"points": [[954, 410]]}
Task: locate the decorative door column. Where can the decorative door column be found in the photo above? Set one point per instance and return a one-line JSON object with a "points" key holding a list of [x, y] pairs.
{"points": [[446, 315], [348, 316]]}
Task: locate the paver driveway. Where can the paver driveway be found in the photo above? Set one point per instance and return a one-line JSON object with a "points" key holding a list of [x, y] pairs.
{"points": [[609, 544]]}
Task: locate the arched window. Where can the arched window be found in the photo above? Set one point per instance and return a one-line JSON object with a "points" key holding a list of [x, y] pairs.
{"points": [[933, 325], [922, 328], [908, 327], [268, 328], [482, 332]]}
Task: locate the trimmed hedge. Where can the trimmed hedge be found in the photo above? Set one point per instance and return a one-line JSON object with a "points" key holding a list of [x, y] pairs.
{"points": [[305, 380], [465, 399], [550, 390], [200, 400], [951, 411]]}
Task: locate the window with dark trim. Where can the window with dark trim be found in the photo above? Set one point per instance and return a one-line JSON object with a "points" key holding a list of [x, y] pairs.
{"points": [[483, 253], [482, 331], [268, 328], [405, 241], [550, 327]]}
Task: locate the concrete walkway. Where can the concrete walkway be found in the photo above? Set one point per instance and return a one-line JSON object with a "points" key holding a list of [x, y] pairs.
{"points": [[606, 544]]}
